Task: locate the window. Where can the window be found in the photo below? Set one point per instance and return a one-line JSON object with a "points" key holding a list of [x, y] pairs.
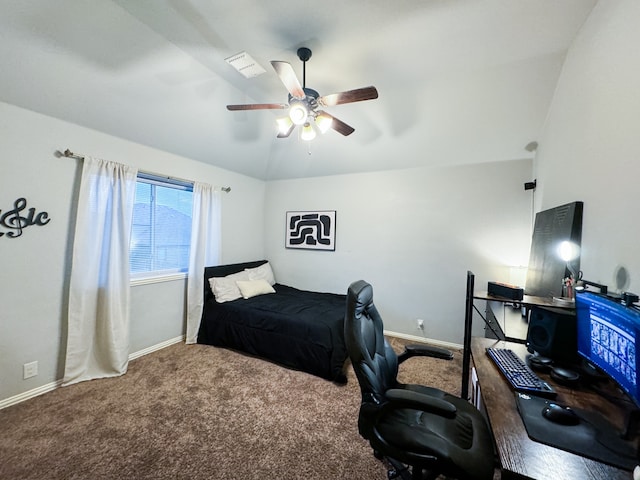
{"points": [[161, 230]]}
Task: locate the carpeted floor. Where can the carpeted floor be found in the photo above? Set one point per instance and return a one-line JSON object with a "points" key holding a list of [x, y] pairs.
{"points": [[200, 412]]}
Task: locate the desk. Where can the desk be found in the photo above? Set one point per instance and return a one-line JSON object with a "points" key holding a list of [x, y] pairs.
{"points": [[511, 324], [520, 457], [504, 322], [528, 300]]}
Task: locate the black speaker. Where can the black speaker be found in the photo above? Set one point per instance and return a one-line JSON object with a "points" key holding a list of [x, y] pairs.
{"points": [[552, 333]]}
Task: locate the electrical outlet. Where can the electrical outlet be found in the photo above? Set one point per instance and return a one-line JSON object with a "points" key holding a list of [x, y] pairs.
{"points": [[420, 323], [29, 370]]}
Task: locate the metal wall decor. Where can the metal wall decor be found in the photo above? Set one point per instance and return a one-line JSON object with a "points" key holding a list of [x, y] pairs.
{"points": [[15, 222], [311, 230]]}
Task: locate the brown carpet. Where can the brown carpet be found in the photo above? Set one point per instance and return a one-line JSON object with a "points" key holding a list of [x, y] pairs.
{"points": [[200, 412]]}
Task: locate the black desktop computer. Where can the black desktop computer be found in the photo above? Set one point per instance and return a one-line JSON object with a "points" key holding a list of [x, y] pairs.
{"points": [[546, 269]]}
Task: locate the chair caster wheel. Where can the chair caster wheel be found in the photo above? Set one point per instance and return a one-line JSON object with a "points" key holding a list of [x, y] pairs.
{"points": [[391, 474]]}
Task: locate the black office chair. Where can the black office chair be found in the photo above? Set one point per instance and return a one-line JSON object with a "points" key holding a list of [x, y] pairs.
{"points": [[424, 432]]}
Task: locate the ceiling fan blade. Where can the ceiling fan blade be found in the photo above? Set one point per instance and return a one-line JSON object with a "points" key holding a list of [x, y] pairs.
{"points": [[357, 95], [287, 133], [258, 106], [339, 126], [289, 78]]}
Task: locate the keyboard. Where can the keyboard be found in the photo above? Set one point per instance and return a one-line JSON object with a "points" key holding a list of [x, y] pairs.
{"points": [[518, 373]]}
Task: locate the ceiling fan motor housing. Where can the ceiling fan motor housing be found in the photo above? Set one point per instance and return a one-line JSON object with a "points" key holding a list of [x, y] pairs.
{"points": [[311, 99]]}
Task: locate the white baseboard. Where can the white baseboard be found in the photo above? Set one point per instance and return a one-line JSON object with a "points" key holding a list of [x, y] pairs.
{"points": [[158, 346], [21, 397], [417, 339]]}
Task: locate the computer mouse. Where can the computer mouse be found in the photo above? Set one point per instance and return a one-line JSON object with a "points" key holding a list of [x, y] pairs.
{"points": [[559, 414]]}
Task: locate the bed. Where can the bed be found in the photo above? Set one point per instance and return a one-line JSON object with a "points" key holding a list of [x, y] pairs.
{"points": [[299, 329]]}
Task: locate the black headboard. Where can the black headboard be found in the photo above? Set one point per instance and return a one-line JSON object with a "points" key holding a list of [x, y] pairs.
{"points": [[223, 271]]}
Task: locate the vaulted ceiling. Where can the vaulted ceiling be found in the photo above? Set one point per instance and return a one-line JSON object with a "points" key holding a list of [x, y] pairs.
{"points": [[459, 81]]}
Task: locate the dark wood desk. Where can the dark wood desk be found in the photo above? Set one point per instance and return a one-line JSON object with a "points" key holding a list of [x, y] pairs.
{"points": [[528, 300], [505, 322], [521, 457]]}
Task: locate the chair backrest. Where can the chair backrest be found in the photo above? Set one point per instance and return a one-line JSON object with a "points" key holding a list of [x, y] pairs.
{"points": [[373, 359]]}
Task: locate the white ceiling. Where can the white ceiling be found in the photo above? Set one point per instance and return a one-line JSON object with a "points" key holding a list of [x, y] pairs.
{"points": [[460, 81]]}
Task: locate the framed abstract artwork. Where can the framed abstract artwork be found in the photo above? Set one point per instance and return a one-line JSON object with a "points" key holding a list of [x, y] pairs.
{"points": [[311, 230]]}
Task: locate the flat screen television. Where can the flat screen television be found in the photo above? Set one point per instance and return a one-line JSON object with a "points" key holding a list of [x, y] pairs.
{"points": [[546, 269], [608, 337]]}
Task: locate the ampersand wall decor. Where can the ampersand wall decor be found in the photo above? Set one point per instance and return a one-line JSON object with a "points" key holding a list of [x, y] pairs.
{"points": [[15, 222]]}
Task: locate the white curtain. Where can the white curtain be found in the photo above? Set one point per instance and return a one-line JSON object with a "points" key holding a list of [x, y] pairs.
{"points": [[205, 250], [98, 332]]}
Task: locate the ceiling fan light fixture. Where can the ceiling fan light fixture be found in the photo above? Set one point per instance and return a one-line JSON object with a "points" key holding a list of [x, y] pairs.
{"points": [[303, 103], [284, 124], [324, 122], [298, 113], [308, 133]]}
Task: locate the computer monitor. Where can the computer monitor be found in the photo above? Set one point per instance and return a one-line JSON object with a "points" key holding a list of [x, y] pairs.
{"points": [[609, 337]]}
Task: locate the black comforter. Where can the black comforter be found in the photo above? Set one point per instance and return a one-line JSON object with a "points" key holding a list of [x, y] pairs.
{"points": [[299, 329]]}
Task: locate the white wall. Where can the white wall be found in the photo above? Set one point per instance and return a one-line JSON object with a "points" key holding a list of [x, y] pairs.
{"points": [[35, 266], [412, 234], [590, 148]]}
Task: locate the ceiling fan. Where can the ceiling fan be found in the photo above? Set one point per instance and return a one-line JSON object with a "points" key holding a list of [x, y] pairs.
{"points": [[305, 104]]}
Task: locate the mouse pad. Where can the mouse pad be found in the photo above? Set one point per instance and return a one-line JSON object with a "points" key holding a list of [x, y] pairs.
{"points": [[593, 437]]}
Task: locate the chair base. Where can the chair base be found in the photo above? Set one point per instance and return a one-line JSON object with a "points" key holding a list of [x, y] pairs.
{"points": [[396, 469]]}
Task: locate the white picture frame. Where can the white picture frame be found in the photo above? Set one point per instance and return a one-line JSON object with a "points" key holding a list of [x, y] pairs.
{"points": [[311, 230]]}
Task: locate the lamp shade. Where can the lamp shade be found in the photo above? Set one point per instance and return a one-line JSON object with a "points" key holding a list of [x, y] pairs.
{"points": [[284, 124], [298, 113], [323, 122], [308, 133]]}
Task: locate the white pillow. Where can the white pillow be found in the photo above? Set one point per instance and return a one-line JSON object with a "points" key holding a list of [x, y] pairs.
{"points": [[253, 288], [225, 288], [262, 272]]}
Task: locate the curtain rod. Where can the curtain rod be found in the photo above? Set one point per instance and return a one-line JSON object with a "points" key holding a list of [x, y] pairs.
{"points": [[69, 154]]}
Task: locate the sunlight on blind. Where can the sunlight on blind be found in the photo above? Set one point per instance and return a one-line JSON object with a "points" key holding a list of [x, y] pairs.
{"points": [[161, 231]]}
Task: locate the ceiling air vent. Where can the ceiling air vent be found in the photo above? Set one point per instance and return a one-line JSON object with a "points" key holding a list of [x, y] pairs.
{"points": [[246, 65]]}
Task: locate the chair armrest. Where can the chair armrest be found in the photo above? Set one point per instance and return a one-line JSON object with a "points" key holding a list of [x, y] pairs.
{"points": [[424, 351], [400, 398]]}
